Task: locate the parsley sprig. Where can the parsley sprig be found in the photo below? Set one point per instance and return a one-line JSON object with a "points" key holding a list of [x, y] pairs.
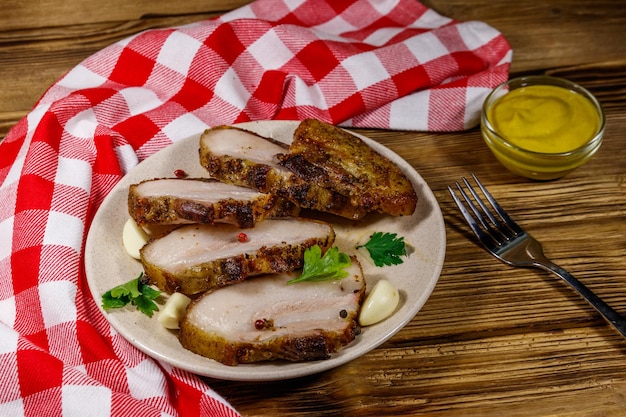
{"points": [[323, 268], [385, 248], [134, 292]]}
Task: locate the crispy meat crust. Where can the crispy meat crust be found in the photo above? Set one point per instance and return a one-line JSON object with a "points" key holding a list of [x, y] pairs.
{"points": [[220, 272], [293, 340], [235, 169], [317, 345], [172, 209], [340, 161]]}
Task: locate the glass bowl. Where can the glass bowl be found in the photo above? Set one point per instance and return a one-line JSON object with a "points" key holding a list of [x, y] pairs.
{"points": [[542, 127]]}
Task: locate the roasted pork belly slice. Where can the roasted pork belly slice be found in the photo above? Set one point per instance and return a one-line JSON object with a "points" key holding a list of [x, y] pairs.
{"points": [[196, 258], [338, 160], [168, 201], [266, 319], [244, 158]]}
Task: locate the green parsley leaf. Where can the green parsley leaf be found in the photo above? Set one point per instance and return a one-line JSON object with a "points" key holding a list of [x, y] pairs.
{"points": [[134, 292], [385, 248], [323, 268]]}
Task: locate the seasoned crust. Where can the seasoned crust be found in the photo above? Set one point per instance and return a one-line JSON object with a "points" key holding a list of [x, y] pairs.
{"points": [[235, 166], [173, 207], [299, 322], [342, 162], [164, 264], [317, 345]]}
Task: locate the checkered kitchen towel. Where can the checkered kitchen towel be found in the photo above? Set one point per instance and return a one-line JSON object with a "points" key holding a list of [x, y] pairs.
{"points": [[378, 63]]}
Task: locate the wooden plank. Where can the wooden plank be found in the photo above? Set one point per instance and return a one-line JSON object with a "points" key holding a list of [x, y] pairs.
{"points": [[535, 374], [41, 14]]}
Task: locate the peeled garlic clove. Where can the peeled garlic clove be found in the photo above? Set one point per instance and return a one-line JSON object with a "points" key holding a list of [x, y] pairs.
{"points": [[134, 238], [174, 310], [379, 303]]}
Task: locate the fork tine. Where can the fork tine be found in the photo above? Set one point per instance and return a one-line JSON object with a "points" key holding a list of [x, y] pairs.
{"points": [[500, 230], [482, 234], [482, 205], [493, 231], [503, 214], [470, 203]]}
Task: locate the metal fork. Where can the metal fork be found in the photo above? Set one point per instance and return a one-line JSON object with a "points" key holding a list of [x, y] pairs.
{"points": [[507, 241]]}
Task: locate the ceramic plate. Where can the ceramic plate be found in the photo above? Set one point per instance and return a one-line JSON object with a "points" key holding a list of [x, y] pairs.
{"points": [[108, 264]]}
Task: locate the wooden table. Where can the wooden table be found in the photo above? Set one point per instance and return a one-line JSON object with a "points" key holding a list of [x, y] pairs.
{"points": [[491, 340]]}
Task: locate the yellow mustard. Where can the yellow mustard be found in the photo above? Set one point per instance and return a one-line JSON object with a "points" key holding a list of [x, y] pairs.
{"points": [[544, 118]]}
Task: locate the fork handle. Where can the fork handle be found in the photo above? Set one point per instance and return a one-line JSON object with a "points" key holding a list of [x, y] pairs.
{"points": [[610, 315]]}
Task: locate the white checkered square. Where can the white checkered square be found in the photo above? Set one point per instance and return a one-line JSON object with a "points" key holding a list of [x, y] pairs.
{"points": [[86, 401], [15, 171], [64, 230], [13, 176], [74, 172], [34, 117], [178, 52], [13, 408], [476, 34], [307, 95], [430, 19], [184, 126], [365, 70], [6, 231], [231, 89], [270, 41], [426, 47], [140, 100], [8, 336], [383, 7], [145, 380], [83, 125], [81, 77], [58, 302], [416, 105], [474, 97]]}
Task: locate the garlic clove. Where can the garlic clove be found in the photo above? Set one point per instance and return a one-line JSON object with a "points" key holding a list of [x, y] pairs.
{"points": [[379, 304], [134, 238], [174, 310]]}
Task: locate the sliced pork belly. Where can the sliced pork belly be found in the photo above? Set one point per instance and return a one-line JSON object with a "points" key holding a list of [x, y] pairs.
{"points": [[244, 158], [168, 201], [266, 319], [196, 258], [334, 158]]}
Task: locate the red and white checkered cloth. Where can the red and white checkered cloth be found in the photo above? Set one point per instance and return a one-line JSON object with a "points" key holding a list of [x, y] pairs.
{"points": [[382, 64]]}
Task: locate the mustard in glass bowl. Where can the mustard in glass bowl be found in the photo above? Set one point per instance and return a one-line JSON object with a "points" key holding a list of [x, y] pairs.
{"points": [[542, 127]]}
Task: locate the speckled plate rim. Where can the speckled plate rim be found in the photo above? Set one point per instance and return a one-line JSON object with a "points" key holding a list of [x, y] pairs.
{"points": [[107, 264]]}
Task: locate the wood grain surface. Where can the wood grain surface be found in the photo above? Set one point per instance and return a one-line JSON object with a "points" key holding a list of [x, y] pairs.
{"points": [[492, 340]]}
